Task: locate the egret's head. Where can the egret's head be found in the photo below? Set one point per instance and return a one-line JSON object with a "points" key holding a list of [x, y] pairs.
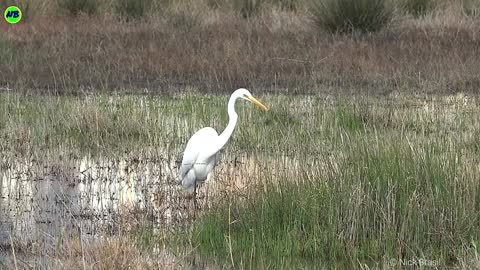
{"points": [[245, 94]]}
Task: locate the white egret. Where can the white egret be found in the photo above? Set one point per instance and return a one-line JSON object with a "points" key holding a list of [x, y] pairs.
{"points": [[202, 149]]}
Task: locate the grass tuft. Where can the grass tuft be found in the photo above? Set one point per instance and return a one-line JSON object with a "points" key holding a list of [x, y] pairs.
{"points": [[471, 8], [248, 8], [347, 16], [77, 7], [132, 9], [289, 5], [215, 4], [418, 7]]}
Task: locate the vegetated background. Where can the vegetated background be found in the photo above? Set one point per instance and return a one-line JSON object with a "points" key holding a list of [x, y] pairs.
{"points": [[66, 46], [368, 156]]}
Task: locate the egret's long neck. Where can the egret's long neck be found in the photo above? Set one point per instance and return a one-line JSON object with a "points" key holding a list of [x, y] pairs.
{"points": [[228, 131], [232, 122]]}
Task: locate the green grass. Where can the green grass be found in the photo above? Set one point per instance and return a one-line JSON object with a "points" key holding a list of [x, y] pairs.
{"points": [[336, 181], [383, 191], [392, 197]]}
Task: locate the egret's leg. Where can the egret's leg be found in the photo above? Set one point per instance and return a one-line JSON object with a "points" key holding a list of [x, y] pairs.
{"points": [[207, 191], [205, 204], [194, 200]]}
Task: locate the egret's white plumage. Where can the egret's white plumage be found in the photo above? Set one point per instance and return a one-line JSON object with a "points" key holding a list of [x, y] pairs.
{"points": [[195, 166], [202, 149]]}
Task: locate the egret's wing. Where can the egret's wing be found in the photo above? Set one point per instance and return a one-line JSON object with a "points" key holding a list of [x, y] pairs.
{"points": [[194, 147]]}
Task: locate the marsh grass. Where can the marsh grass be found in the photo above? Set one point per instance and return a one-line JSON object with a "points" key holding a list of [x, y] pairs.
{"points": [[380, 193], [326, 181]]}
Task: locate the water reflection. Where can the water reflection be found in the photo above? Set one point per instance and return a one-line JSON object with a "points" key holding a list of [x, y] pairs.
{"points": [[40, 202]]}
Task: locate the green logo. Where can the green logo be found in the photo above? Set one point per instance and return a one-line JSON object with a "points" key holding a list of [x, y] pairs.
{"points": [[12, 14]]}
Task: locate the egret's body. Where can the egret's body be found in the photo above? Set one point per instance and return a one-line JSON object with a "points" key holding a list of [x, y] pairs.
{"points": [[201, 153], [196, 166]]}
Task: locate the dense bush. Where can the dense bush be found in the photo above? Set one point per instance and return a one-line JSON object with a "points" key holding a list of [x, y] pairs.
{"points": [[291, 5], [346, 16], [417, 7], [76, 7], [248, 8], [214, 3], [132, 9], [471, 7]]}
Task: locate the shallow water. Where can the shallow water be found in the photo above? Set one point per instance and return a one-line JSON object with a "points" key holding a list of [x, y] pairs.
{"points": [[41, 201]]}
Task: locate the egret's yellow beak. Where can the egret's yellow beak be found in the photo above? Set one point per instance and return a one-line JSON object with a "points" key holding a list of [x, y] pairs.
{"points": [[258, 103]]}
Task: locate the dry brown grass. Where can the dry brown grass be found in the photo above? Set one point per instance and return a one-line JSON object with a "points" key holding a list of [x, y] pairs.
{"points": [[117, 252], [214, 50]]}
